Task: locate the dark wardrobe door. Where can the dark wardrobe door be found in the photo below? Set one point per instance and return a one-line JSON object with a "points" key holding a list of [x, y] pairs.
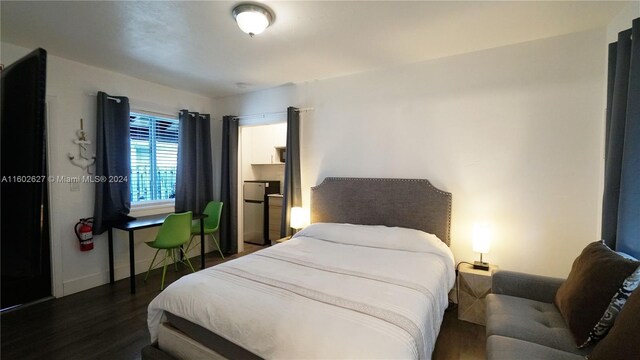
{"points": [[24, 226]]}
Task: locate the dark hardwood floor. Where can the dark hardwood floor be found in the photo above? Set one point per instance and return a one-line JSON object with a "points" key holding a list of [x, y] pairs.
{"points": [[107, 322], [459, 339]]}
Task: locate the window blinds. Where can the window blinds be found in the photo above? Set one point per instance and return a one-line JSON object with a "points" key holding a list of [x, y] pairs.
{"points": [[154, 154]]}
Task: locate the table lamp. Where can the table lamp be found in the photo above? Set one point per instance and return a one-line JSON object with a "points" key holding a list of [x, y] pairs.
{"points": [[297, 219], [481, 244]]}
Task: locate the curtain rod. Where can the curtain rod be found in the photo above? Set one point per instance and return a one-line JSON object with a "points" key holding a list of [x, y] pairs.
{"points": [[139, 105], [108, 97], [264, 115]]}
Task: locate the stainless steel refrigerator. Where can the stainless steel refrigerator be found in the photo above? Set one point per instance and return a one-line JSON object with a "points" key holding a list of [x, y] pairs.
{"points": [[255, 210]]}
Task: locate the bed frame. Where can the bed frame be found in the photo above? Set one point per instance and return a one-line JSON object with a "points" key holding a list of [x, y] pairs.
{"points": [[409, 203]]}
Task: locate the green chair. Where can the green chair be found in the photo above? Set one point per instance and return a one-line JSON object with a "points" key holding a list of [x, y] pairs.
{"points": [[211, 224], [173, 233]]}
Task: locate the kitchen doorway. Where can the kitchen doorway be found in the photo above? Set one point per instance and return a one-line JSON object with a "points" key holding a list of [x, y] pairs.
{"points": [[262, 150]]}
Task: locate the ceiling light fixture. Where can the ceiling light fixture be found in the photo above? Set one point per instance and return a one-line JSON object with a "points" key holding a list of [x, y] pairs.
{"points": [[252, 18]]}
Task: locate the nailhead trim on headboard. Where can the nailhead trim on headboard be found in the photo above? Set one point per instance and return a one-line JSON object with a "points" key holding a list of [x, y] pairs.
{"points": [[422, 181]]}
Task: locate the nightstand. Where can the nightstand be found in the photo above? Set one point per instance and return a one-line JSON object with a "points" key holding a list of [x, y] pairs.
{"points": [[473, 286]]}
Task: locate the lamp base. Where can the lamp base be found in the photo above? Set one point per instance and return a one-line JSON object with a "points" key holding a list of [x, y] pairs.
{"points": [[479, 265]]}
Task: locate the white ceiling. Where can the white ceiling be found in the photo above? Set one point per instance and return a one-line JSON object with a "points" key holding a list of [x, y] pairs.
{"points": [[198, 47]]}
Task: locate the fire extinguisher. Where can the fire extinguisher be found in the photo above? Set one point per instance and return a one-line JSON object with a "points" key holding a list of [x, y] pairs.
{"points": [[84, 232]]}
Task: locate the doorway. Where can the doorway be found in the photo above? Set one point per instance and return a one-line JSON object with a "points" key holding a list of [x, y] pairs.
{"points": [[262, 147], [24, 226]]}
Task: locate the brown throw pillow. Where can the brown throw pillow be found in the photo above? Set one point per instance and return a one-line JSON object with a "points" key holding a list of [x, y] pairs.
{"points": [[595, 277], [622, 340]]}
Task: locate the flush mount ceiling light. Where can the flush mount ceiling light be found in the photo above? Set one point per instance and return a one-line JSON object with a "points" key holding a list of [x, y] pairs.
{"points": [[252, 18]]}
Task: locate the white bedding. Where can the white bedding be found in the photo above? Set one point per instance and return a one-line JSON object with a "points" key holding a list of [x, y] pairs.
{"points": [[333, 291]]}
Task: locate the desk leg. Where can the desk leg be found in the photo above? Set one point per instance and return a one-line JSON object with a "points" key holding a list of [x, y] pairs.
{"points": [[201, 243], [111, 276], [132, 264]]}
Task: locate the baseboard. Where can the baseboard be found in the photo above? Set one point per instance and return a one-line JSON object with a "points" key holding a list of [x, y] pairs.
{"points": [[121, 271]]}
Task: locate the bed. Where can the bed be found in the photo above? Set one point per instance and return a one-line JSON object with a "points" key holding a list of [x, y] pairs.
{"points": [[367, 279]]}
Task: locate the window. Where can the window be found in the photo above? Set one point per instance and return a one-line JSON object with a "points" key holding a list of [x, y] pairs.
{"points": [[154, 157]]}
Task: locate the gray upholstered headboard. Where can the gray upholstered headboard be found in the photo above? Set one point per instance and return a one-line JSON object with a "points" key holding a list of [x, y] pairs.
{"points": [[409, 203]]}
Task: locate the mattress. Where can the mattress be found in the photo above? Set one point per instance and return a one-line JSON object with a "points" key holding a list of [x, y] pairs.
{"points": [[332, 291]]}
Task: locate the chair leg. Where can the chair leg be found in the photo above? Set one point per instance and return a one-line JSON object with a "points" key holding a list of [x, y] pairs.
{"points": [[151, 265], [189, 244], [188, 262], [175, 259], [215, 241], [164, 270]]}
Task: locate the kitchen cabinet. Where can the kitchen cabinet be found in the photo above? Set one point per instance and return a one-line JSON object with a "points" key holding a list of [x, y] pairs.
{"points": [[264, 143]]}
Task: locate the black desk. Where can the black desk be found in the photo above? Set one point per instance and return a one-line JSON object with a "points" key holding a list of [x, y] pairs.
{"points": [[144, 222]]}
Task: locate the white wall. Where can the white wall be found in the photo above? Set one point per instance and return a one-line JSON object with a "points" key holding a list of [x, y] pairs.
{"points": [[514, 133], [68, 86], [623, 20]]}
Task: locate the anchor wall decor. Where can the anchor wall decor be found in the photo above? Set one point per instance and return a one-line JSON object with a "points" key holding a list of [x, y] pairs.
{"points": [[82, 160]]}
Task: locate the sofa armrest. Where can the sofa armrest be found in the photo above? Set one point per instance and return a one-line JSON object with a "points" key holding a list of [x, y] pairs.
{"points": [[533, 287]]}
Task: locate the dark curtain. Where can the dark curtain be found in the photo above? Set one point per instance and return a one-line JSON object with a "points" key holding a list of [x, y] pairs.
{"points": [[229, 186], [194, 176], [113, 158], [621, 201], [292, 191]]}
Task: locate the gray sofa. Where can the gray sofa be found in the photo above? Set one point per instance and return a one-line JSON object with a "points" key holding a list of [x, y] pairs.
{"points": [[523, 322]]}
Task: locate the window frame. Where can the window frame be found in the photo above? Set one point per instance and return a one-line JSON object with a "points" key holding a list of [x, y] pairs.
{"points": [[151, 206]]}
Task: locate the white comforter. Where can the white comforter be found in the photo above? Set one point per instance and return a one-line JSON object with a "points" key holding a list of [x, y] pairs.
{"points": [[334, 291]]}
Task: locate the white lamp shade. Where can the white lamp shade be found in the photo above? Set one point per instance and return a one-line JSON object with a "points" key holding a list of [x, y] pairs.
{"points": [[251, 18], [481, 238], [252, 22], [298, 218]]}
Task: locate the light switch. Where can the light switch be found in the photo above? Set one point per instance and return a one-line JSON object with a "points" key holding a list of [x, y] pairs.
{"points": [[75, 186]]}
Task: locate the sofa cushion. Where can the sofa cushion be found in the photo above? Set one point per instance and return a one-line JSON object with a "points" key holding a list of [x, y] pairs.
{"points": [[529, 320], [622, 340], [596, 275], [505, 348]]}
